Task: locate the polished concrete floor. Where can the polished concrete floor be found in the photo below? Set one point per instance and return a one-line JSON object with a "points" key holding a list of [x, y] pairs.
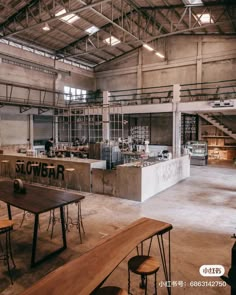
{"points": [[201, 209]]}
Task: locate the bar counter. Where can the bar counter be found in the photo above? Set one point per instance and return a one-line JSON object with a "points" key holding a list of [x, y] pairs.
{"points": [[140, 183], [79, 179]]}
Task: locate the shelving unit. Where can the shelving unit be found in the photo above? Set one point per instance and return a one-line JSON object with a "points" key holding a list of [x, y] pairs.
{"points": [[220, 145]]}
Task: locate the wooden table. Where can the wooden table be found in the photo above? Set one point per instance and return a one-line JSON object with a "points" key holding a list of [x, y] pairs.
{"points": [[38, 200], [83, 275]]}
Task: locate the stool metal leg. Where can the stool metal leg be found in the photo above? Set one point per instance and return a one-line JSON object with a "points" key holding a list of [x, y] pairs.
{"points": [[155, 284], [129, 283], [143, 282], [146, 285]]}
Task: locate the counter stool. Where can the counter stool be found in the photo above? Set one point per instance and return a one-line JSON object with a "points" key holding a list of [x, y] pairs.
{"points": [[50, 169], [78, 222], [6, 255], [5, 168], [19, 167], [110, 290], [69, 172], [34, 177], [143, 265]]}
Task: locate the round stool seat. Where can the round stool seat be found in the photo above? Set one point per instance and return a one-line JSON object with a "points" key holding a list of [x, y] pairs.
{"points": [[34, 164], [70, 169], [5, 161], [50, 167], [111, 291], [6, 224], [143, 265]]}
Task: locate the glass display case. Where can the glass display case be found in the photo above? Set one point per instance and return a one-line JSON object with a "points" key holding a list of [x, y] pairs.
{"points": [[198, 152]]}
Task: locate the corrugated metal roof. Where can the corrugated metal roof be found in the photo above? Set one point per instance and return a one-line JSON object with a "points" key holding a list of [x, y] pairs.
{"points": [[132, 22]]}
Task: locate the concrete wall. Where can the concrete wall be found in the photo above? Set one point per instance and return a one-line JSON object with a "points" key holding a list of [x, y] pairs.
{"points": [[188, 60], [33, 70], [59, 73]]}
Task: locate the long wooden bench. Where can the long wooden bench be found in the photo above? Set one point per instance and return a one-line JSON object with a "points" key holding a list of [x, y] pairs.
{"points": [[84, 274]]}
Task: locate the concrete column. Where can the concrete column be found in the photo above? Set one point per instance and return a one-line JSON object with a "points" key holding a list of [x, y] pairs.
{"points": [[176, 138], [139, 71], [105, 117], [31, 131], [199, 62], [55, 130]]}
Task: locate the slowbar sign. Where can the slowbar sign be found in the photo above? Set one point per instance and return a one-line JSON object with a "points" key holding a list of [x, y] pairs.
{"points": [[41, 170]]}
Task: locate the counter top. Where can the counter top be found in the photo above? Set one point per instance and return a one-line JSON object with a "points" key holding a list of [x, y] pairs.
{"points": [[73, 159]]}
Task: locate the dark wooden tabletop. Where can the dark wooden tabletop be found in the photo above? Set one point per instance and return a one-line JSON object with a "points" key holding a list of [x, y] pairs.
{"points": [[36, 199]]}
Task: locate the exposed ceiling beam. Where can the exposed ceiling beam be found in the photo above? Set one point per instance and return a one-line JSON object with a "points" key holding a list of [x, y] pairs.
{"points": [[28, 16], [182, 5]]}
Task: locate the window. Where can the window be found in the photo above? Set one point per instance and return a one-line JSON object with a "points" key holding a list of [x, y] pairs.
{"points": [[204, 18], [112, 41], [92, 30], [193, 2], [69, 18], [75, 94]]}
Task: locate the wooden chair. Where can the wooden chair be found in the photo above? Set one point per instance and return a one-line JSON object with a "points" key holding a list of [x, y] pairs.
{"points": [[143, 265], [6, 255], [110, 290]]}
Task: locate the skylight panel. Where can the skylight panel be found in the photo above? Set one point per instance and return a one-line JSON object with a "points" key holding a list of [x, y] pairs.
{"points": [[112, 41], [92, 30], [69, 18], [204, 18], [193, 2]]}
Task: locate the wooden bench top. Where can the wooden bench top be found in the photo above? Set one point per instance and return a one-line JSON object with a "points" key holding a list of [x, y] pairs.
{"points": [[82, 275]]}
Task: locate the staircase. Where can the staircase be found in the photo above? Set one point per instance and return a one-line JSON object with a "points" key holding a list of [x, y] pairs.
{"points": [[218, 124]]}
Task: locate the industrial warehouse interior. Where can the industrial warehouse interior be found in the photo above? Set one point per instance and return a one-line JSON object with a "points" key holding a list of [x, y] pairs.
{"points": [[117, 147]]}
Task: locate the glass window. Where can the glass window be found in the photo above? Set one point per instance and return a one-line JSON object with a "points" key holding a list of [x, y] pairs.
{"points": [[71, 93]]}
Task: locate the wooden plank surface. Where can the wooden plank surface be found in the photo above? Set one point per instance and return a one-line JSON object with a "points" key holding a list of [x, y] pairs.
{"points": [[37, 199], [82, 275]]}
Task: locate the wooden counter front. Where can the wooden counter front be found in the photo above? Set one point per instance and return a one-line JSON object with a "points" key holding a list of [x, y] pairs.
{"points": [[84, 274]]}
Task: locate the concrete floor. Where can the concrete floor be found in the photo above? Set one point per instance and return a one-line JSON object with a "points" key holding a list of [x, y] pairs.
{"points": [[201, 209]]}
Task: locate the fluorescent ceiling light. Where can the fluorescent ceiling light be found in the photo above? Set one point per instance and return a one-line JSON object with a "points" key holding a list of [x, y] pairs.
{"points": [[148, 47], [92, 30], [69, 18], [204, 18], [159, 54], [112, 41], [46, 27]]}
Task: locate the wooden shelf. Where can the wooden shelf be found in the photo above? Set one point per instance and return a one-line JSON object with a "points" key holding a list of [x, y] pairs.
{"points": [[222, 146], [216, 136]]}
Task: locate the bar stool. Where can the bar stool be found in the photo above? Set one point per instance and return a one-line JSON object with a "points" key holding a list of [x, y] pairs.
{"points": [[6, 227], [51, 170], [69, 172], [19, 167], [5, 168], [110, 290], [33, 171], [143, 265], [78, 222]]}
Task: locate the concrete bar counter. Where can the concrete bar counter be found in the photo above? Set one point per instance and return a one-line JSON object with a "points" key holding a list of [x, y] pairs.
{"points": [[80, 178], [140, 183]]}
